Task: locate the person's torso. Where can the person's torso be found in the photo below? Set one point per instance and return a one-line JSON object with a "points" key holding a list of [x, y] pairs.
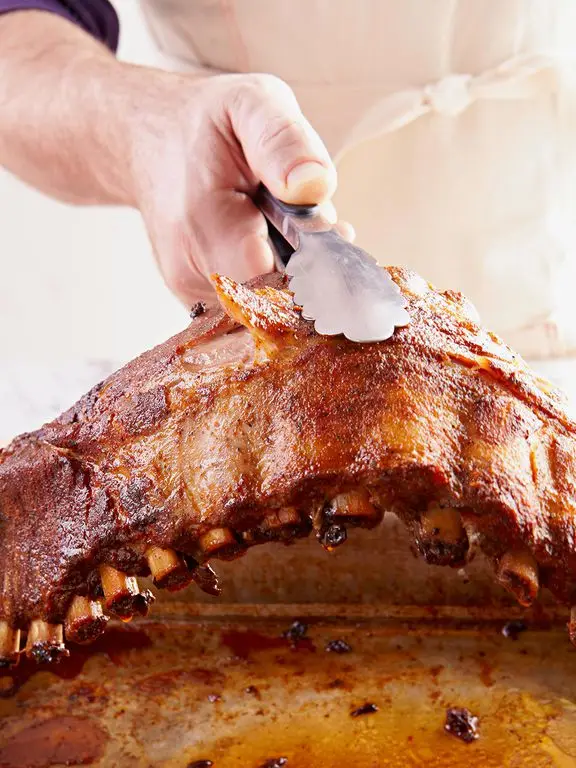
{"points": [[453, 123]]}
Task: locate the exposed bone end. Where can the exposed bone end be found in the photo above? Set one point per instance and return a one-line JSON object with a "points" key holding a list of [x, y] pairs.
{"points": [[84, 620], [168, 569], [441, 537], [45, 643], [354, 508], [330, 534], [572, 625], [122, 595], [220, 542], [9, 645], [518, 573], [283, 524]]}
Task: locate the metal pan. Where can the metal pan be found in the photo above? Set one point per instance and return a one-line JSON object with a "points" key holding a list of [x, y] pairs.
{"points": [[216, 680]]}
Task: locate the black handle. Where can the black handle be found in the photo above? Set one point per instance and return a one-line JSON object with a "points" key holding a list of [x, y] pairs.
{"points": [[282, 248], [286, 221]]}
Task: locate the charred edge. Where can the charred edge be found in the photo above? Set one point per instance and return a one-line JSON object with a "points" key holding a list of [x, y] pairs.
{"points": [[84, 620], [222, 543], [332, 535], [9, 645], [197, 309], [45, 642], [282, 525], [204, 577], [122, 595], [441, 538], [174, 581], [128, 605], [518, 573], [47, 652], [169, 570], [86, 630], [353, 508]]}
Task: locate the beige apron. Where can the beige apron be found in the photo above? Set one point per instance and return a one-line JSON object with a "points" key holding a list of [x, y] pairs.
{"points": [[453, 123]]}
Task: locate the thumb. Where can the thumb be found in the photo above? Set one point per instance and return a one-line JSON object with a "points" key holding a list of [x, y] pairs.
{"points": [[279, 144]]}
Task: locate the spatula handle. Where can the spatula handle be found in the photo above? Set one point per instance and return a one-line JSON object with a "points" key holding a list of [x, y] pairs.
{"points": [[286, 222]]}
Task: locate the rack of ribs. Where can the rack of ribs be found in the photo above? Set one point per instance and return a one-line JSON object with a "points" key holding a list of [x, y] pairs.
{"points": [[249, 427]]}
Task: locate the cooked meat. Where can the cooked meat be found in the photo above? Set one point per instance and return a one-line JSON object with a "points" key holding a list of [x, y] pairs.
{"points": [[249, 427]]}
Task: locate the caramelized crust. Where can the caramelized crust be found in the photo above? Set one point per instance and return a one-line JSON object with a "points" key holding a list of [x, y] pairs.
{"points": [[249, 425]]}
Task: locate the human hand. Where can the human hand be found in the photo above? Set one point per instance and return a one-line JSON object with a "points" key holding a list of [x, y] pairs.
{"points": [[188, 152], [200, 148]]}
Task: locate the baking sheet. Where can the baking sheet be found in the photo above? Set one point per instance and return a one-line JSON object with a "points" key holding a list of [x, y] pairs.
{"points": [[224, 685], [213, 679]]}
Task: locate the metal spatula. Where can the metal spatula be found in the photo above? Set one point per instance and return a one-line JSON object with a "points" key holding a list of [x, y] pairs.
{"points": [[339, 286]]}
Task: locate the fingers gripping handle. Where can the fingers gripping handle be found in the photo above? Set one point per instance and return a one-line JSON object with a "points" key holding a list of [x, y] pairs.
{"points": [[286, 222]]}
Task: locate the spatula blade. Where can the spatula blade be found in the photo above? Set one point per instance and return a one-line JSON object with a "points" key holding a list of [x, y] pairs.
{"points": [[344, 290]]}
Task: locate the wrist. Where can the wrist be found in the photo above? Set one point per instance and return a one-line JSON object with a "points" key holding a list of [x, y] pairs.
{"points": [[109, 103], [153, 121]]}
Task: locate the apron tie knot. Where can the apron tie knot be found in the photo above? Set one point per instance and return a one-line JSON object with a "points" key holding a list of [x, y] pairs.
{"points": [[449, 96]]}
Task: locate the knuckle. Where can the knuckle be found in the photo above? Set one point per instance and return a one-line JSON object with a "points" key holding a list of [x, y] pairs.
{"points": [[267, 84], [281, 130], [252, 89]]}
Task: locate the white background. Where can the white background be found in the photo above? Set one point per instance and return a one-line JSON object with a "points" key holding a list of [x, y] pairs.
{"points": [[79, 288]]}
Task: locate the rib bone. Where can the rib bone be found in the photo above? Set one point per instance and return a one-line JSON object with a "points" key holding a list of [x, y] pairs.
{"points": [[168, 569], [280, 518], [122, 595], [354, 508], [84, 620], [220, 542], [9, 645], [222, 423], [45, 643], [284, 524], [572, 625], [330, 533], [518, 573], [441, 537]]}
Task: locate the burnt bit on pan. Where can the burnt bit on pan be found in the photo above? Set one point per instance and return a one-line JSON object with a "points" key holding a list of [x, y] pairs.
{"points": [[365, 709], [338, 646], [512, 629], [200, 764], [275, 762], [195, 311], [460, 722], [297, 631]]}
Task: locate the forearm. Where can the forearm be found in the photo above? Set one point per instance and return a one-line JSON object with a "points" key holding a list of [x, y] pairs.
{"points": [[66, 106], [187, 152]]}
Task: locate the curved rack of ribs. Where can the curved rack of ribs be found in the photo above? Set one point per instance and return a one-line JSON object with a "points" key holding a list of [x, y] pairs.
{"points": [[248, 427]]}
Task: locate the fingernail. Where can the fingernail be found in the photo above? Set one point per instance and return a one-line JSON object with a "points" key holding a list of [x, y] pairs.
{"points": [[307, 183]]}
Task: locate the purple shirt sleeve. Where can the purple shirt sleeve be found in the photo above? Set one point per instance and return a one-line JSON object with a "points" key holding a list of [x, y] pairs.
{"points": [[97, 17]]}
